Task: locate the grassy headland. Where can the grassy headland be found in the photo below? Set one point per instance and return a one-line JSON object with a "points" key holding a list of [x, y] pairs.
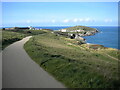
{"points": [[76, 66], [10, 36], [81, 28]]}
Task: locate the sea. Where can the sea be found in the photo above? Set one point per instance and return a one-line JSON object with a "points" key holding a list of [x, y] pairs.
{"points": [[108, 35]]}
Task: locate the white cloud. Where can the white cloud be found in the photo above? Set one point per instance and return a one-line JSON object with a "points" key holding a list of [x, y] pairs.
{"points": [[28, 21], [53, 21], [108, 20], [87, 19], [79, 20], [66, 21], [75, 20]]}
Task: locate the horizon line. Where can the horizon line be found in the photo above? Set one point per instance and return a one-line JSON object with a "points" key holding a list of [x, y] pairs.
{"points": [[60, 26]]}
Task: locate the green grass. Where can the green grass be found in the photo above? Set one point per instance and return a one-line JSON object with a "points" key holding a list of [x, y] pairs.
{"points": [[74, 65], [0, 39], [81, 28], [10, 36]]}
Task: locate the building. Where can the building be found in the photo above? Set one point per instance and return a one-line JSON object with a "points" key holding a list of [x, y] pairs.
{"points": [[63, 30], [79, 30], [31, 28]]}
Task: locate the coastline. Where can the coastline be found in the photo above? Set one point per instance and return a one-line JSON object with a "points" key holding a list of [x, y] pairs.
{"points": [[103, 35], [98, 44]]}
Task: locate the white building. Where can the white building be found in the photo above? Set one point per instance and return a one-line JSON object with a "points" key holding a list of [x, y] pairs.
{"points": [[79, 30], [31, 28], [63, 30]]}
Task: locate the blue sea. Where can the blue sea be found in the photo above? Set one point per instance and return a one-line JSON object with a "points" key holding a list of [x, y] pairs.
{"points": [[108, 36]]}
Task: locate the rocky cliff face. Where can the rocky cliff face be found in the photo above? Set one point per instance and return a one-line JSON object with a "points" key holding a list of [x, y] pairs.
{"points": [[80, 30], [77, 32]]}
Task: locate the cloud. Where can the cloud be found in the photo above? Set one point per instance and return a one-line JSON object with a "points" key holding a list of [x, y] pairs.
{"points": [[66, 20], [87, 20], [83, 20], [108, 20], [28, 21], [53, 21], [75, 20]]}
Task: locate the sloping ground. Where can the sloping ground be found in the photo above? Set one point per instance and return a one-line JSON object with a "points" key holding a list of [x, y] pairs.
{"points": [[74, 65], [19, 71], [81, 28], [10, 36], [0, 70]]}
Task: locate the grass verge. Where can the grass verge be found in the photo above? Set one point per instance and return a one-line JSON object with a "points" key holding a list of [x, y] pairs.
{"points": [[73, 65], [10, 36]]}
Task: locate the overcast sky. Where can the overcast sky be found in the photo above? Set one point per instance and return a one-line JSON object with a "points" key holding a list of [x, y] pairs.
{"points": [[59, 13]]}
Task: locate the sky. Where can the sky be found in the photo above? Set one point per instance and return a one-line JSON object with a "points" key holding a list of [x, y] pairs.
{"points": [[60, 0], [59, 14]]}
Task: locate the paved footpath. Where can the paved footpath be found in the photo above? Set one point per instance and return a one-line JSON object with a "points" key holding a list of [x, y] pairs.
{"points": [[20, 71]]}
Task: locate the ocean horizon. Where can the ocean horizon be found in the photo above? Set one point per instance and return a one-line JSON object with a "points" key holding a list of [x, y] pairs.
{"points": [[108, 35]]}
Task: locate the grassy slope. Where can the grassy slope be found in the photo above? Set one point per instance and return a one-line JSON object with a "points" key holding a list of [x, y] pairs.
{"points": [[74, 65], [0, 39], [10, 36], [81, 28]]}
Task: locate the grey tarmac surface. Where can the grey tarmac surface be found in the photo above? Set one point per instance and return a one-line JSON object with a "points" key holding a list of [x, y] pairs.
{"points": [[20, 71]]}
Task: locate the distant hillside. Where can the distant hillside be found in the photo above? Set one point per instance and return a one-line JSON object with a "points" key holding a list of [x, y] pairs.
{"points": [[77, 31], [75, 65], [81, 28]]}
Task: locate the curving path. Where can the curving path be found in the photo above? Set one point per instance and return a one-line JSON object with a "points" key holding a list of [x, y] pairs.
{"points": [[19, 71]]}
